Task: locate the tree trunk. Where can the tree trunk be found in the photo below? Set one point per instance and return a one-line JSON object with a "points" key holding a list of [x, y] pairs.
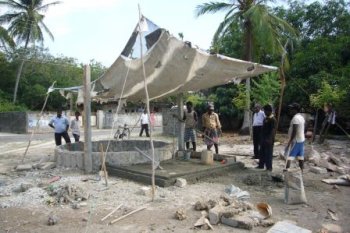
{"points": [[246, 127], [283, 84], [18, 77]]}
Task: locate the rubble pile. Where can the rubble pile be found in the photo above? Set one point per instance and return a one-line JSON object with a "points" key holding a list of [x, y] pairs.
{"points": [[231, 211], [64, 194]]}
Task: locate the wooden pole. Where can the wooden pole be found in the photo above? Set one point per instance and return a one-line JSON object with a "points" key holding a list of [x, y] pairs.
{"points": [[180, 112], [126, 215], [104, 218], [87, 121], [103, 164]]}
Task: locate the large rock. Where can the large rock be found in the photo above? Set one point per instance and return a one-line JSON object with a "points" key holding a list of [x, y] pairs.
{"points": [[318, 170], [239, 221], [215, 214], [180, 182]]}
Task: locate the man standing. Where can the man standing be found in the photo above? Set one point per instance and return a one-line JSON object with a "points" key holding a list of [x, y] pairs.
{"points": [[268, 132], [296, 136], [258, 120], [75, 126], [190, 118], [61, 125], [144, 123], [212, 128]]}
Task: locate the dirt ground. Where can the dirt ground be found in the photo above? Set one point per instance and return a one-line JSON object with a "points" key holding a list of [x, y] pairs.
{"points": [[29, 211]]}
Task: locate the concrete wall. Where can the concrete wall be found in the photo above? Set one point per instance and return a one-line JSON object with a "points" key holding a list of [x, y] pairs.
{"points": [[122, 153], [13, 122], [171, 125]]}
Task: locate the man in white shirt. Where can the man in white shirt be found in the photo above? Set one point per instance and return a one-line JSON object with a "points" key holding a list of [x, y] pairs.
{"points": [[258, 121], [144, 123], [75, 127], [296, 136]]}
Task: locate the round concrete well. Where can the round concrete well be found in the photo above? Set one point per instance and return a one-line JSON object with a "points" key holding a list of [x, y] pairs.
{"points": [[120, 153]]}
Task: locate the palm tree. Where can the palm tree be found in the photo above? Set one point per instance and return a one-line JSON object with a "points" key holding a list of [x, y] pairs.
{"points": [[25, 20], [259, 27], [5, 38]]}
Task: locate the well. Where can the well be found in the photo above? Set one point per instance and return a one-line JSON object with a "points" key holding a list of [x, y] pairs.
{"points": [[121, 153]]}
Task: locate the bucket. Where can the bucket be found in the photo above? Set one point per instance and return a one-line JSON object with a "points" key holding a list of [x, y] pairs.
{"points": [[187, 155], [264, 209], [207, 157]]}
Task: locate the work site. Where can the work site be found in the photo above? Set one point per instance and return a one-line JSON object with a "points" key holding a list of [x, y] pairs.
{"points": [[250, 134]]}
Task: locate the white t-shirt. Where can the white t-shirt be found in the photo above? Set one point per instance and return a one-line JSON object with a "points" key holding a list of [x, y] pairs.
{"points": [[144, 119], [258, 118], [299, 120], [75, 126]]}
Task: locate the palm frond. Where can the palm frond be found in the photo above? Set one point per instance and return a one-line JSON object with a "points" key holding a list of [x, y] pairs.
{"points": [[46, 6], [212, 7]]}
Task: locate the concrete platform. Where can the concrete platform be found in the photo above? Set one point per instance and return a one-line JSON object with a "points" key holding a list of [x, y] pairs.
{"points": [[192, 170]]}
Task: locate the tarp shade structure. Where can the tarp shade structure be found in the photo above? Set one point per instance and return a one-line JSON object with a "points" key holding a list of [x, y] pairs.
{"points": [[172, 66]]}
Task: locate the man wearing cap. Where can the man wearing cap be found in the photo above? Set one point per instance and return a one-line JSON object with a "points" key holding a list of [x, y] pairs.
{"points": [[296, 136], [212, 128], [258, 120]]}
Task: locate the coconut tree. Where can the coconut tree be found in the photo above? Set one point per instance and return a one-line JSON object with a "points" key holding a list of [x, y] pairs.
{"points": [[26, 25], [5, 38], [259, 27]]}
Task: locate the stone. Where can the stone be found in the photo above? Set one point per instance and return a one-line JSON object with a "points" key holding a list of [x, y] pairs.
{"points": [[335, 160], [47, 165], [200, 205], [180, 214], [203, 223], [324, 163], [332, 228], [287, 227], [345, 160], [52, 220], [240, 221], [318, 170], [267, 222], [180, 182], [24, 167], [215, 214]]}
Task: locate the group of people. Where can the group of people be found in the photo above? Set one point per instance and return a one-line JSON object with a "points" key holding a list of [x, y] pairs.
{"points": [[61, 125], [264, 130]]}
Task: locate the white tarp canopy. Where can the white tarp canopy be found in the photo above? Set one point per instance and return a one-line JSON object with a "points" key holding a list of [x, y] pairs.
{"points": [[171, 66]]}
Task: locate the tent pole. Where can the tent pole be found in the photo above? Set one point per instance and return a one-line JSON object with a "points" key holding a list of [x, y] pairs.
{"points": [[87, 121], [181, 130]]}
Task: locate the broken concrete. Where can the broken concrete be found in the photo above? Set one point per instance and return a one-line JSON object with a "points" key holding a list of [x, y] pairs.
{"points": [[239, 221], [180, 182], [24, 167], [318, 170], [215, 214]]}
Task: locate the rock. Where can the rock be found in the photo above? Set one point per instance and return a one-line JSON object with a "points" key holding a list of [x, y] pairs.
{"points": [[240, 221], [287, 227], [345, 160], [332, 228], [180, 182], [267, 222], [22, 187], [24, 167], [180, 214], [342, 170], [47, 165], [52, 220], [145, 191], [203, 223], [324, 163], [200, 205], [75, 205], [335, 160], [318, 170], [215, 214]]}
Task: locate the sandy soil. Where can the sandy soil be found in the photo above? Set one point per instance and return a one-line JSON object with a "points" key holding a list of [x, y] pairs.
{"points": [[29, 211]]}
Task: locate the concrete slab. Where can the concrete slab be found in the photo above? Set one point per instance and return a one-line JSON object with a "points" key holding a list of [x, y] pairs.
{"points": [[192, 170]]}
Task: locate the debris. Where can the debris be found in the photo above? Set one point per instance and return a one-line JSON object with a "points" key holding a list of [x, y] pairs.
{"points": [[215, 214], [180, 214], [294, 187], [126, 215], [54, 179], [145, 191], [112, 212], [332, 228], [52, 220], [318, 170], [240, 221], [234, 191], [335, 160], [24, 167], [329, 166], [180, 182], [47, 165], [338, 181], [22, 188], [66, 193], [287, 227], [264, 209], [203, 223], [267, 222], [201, 205], [333, 215]]}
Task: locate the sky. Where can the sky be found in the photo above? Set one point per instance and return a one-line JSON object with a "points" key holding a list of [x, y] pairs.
{"points": [[99, 30]]}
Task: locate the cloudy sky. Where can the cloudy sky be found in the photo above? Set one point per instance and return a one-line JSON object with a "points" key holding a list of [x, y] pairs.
{"points": [[90, 29]]}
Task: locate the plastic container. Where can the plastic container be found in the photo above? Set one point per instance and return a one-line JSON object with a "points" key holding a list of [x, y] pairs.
{"points": [[207, 157]]}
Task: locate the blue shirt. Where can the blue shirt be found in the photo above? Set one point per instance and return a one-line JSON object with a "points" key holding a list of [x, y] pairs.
{"points": [[60, 124]]}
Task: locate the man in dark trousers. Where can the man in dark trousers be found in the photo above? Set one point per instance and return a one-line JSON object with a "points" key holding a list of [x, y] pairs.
{"points": [[61, 125], [268, 139], [144, 123], [258, 120]]}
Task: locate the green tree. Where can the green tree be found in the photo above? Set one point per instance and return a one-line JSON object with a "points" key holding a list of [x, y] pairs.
{"points": [[5, 38], [259, 27], [26, 24], [265, 90]]}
